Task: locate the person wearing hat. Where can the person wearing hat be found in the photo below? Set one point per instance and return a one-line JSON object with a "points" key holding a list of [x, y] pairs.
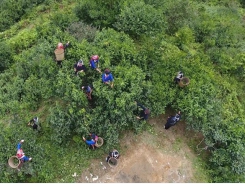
{"points": [[179, 76], [79, 67], [115, 154], [144, 113], [33, 122], [94, 63], [172, 120], [107, 78], [88, 91], [90, 143]]}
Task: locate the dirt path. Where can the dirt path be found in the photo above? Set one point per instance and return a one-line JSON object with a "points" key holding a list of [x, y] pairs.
{"points": [[156, 155]]}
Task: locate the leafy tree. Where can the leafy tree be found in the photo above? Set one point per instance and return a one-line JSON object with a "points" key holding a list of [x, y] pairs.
{"points": [[12, 11], [178, 13], [82, 31], [5, 56], [115, 47], [98, 13], [137, 18]]}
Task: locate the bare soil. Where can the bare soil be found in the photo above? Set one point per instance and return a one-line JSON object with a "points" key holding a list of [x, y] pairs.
{"points": [[154, 156]]}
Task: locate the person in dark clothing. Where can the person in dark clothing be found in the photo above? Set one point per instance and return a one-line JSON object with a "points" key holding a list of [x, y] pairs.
{"points": [[172, 120], [179, 76], [115, 154], [60, 52], [144, 113], [79, 67], [88, 91], [33, 122]]}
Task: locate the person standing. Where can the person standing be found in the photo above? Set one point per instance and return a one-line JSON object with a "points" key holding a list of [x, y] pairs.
{"points": [[107, 78], [94, 63], [60, 52], [172, 120]]}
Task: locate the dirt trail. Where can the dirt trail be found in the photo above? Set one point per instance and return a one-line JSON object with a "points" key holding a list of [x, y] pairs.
{"points": [[153, 156]]}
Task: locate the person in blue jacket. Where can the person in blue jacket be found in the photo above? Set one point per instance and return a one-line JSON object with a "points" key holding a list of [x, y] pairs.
{"points": [[144, 113], [107, 78], [90, 143], [94, 63], [172, 120]]}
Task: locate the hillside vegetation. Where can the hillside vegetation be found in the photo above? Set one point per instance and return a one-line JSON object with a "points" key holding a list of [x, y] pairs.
{"points": [[144, 43]]}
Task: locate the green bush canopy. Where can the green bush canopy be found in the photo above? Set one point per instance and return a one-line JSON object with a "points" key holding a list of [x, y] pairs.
{"points": [[144, 43]]}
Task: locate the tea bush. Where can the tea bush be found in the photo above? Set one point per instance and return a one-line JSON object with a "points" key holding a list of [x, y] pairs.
{"points": [[144, 44]]}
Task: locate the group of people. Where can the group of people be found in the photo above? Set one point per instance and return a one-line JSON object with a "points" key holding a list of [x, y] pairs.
{"points": [[79, 67], [107, 78], [92, 144]]}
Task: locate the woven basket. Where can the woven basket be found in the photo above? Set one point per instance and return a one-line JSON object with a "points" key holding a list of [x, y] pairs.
{"points": [[184, 81], [59, 54], [14, 162], [99, 142], [112, 162]]}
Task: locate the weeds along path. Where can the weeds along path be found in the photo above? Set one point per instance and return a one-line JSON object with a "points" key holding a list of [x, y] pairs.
{"points": [[156, 155]]}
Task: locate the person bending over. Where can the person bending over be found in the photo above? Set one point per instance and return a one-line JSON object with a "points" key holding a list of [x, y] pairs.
{"points": [[172, 120]]}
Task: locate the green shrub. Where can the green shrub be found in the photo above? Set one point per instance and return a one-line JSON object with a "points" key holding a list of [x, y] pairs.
{"points": [[12, 11], [138, 18], [98, 13], [82, 31], [5, 56]]}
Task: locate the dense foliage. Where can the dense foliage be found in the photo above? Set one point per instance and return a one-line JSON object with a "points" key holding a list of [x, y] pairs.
{"points": [[144, 43]]}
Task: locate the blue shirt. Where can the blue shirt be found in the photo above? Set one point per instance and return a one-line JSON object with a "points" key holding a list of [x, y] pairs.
{"points": [[108, 78], [91, 142], [93, 63], [88, 89], [18, 146]]}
